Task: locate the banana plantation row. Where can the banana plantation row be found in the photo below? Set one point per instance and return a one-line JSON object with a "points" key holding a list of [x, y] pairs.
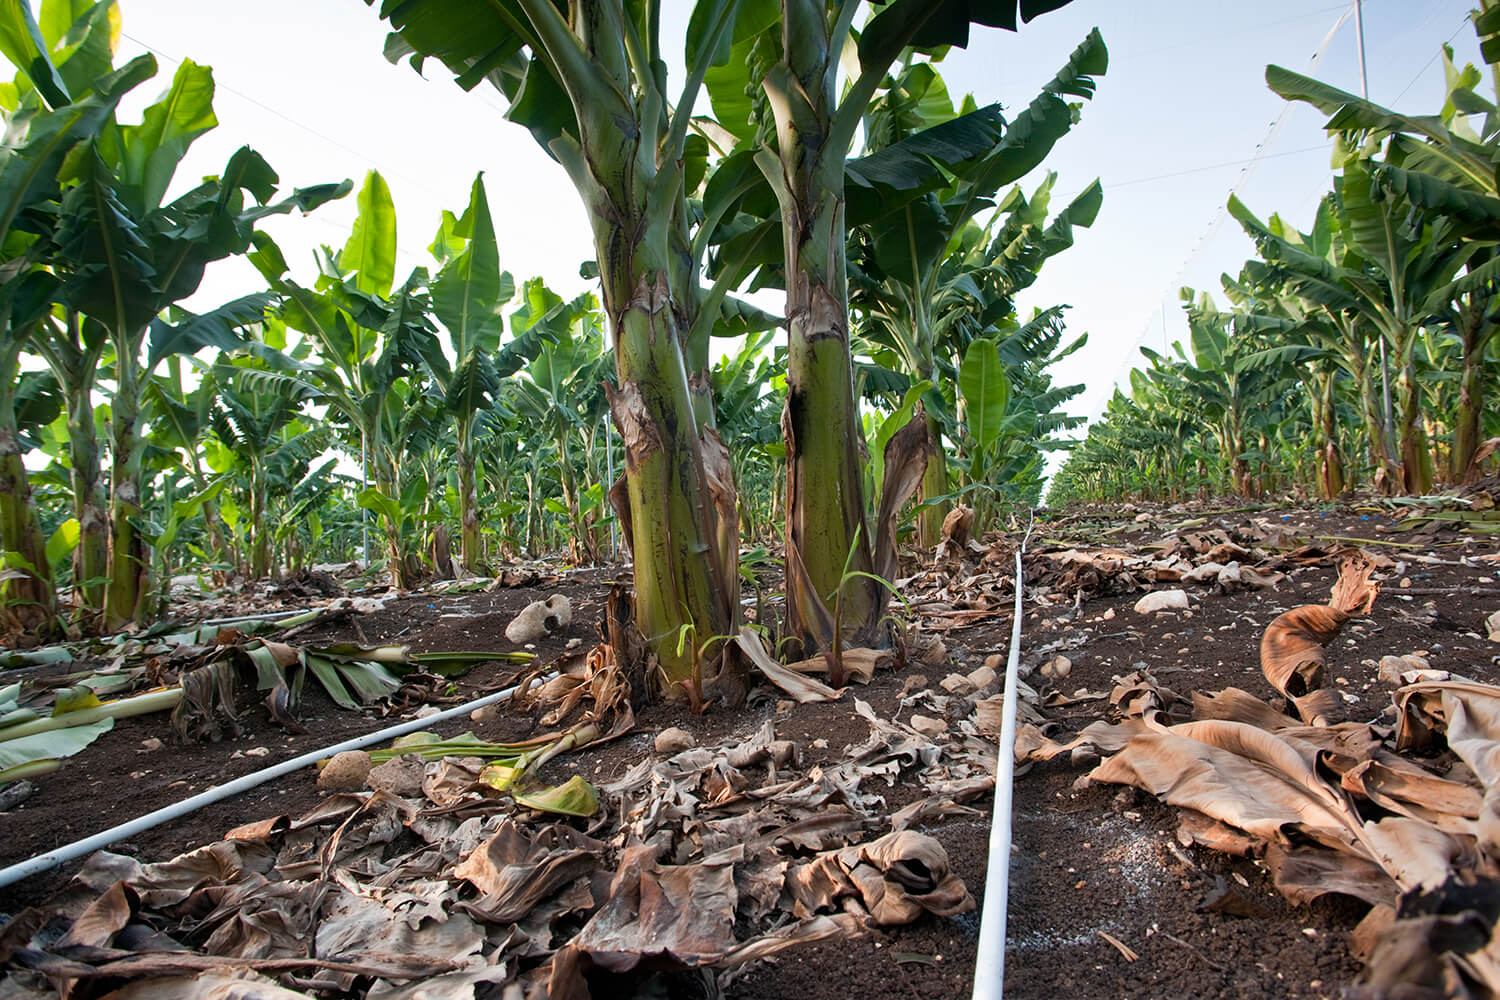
{"points": [[256, 435], [1360, 353]]}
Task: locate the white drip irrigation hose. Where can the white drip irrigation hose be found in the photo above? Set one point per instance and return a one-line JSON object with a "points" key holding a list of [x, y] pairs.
{"points": [[989, 962], [77, 849]]}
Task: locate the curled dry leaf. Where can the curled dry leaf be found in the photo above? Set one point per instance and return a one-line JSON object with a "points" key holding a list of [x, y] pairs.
{"points": [[1292, 654], [897, 878], [957, 525], [860, 663]]}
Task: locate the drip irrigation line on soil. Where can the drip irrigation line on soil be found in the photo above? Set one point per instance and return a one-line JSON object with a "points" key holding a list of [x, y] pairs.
{"points": [[54, 859], [989, 959]]}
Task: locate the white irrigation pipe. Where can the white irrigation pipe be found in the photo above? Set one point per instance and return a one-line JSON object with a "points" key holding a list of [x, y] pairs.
{"points": [[77, 849], [989, 962]]}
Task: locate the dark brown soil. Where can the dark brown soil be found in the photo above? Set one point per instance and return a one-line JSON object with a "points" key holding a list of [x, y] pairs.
{"points": [[1085, 864]]}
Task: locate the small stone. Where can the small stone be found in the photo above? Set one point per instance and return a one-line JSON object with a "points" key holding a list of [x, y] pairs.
{"points": [[957, 684], [399, 776], [1392, 667], [573, 643], [784, 705], [1057, 668], [345, 772], [426, 711], [674, 740], [820, 744], [982, 678], [257, 752], [1405, 582], [485, 713], [994, 661], [150, 744], [1492, 624], [1109, 614], [927, 726], [1162, 600], [913, 683]]}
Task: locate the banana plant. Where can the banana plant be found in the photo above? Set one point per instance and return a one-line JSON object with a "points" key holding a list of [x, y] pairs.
{"points": [[45, 120], [1445, 167], [467, 296], [562, 395], [180, 419], [589, 82], [129, 256], [921, 269], [260, 423], [748, 387], [778, 97], [370, 341]]}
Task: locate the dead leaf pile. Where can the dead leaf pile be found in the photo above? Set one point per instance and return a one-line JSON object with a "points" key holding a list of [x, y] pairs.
{"points": [[433, 884], [1404, 819]]}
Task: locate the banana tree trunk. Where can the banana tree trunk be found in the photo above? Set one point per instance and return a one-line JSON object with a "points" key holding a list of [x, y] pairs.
{"points": [[129, 565], [1370, 410], [1476, 335], [91, 557], [29, 599], [399, 561], [1331, 481], [679, 579], [1416, 457], [825, 505], [470, 544], [934, 484], [260, 546]]}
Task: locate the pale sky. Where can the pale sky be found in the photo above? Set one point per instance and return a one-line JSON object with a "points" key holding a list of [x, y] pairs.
{"points": [[1173, 127]]}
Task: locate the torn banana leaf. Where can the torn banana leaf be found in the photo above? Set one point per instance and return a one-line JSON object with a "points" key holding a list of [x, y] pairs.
{"points": [[351, 683], [36, 657], [41, 753]]}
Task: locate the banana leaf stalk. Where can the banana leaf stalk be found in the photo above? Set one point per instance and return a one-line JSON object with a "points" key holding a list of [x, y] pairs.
{"points": [[142, 704], [429, 746]]}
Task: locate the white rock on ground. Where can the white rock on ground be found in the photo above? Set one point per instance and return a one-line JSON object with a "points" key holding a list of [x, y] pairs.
{"points": [[674, 740], [1493, 624], [540, 619], [1162, 600]]}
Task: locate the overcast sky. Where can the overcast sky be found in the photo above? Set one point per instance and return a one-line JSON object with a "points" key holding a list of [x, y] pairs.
{"points": [[1176, 123]]}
